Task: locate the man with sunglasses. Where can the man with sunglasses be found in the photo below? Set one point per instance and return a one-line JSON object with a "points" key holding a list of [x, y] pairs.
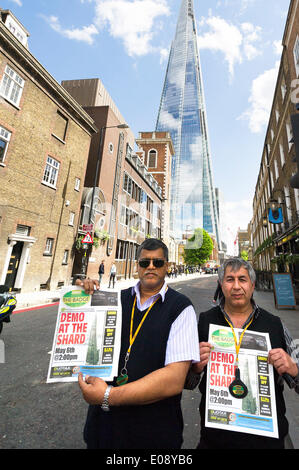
{"points": [[141, 409]]}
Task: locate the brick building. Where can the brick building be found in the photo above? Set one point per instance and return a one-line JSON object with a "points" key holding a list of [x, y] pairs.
{"points": [[44, 143], [276, 246], [156, 150], [128, 199]]}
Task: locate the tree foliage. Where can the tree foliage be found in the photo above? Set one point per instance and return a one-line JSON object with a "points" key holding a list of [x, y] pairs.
{"points": [[198, 248]]}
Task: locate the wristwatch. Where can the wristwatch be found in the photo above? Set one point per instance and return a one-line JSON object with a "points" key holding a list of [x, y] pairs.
{"points": [[105, 402]]}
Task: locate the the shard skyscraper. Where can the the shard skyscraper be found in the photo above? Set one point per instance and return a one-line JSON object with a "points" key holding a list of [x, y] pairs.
{"points": [[182, 113]]}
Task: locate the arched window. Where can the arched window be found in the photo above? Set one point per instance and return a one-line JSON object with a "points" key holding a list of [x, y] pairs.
{"points": [[152, 159]]}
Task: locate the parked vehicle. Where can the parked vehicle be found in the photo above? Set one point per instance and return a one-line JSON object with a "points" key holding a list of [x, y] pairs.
{"points": [[8, 303]]}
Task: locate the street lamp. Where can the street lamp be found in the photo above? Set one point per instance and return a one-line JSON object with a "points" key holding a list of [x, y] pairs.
{"points": [[99, 160]]}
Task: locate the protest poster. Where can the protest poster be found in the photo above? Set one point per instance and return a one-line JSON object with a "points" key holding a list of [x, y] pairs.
{"points": [[87, 335], [256, 413]]}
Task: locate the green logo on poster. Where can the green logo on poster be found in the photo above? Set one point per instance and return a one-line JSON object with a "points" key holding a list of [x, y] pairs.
{"points": [[75, 298], [223, 338]]}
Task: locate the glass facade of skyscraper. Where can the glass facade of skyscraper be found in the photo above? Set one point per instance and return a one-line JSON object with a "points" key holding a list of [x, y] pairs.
{"points": [[182, 113]]}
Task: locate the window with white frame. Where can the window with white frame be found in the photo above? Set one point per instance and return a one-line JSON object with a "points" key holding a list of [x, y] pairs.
{"points": [[296, 194], [51, 172], [72, 218], [12, 86], [77, 184], [277, 115], [65, 257], [4, 141], [276, 173], [296, 55], [272, 134], [289, 134], [49, 246], [282, 157], [283, 88]]}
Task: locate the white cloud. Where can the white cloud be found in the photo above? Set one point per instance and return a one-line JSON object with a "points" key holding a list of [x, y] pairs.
{"points": [[164, 53], [85, 34], [277, 45], [17, 2], [236, 214], [167, 120], [261, 98], [134, 22], [236, 43]]}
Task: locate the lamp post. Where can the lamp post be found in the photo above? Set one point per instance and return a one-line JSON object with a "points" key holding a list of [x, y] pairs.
{"points": [[99, 161]]}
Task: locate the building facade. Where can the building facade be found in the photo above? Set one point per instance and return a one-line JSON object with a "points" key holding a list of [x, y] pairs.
{"points": [[122, 199], [182, 113], [156, 150], [276, 245], [44, 143]]}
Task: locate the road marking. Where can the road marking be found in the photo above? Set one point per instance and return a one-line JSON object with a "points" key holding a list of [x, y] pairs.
{"points": [[37, 307]]}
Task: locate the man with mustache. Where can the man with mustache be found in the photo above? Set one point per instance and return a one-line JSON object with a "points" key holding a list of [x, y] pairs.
{"points": [[237, 309], [159, 340]]}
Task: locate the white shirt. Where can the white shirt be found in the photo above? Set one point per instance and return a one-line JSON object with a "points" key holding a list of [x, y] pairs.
{"points": [[183, 342]]}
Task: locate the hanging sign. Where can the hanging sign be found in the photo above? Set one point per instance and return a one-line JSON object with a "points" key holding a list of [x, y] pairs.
{"points": [[87, 227]]}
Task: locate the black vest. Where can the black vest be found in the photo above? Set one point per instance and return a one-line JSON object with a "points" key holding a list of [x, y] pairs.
{"points": [[155, 426], [265, 322]]}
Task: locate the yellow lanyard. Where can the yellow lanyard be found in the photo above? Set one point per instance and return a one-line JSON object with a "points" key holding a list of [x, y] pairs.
{"points": [[123, 377], [132, 338], [238, 346]]}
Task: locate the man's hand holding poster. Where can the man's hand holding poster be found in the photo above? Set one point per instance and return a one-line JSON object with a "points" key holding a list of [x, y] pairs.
{"points": [[87, 335], [256, 412]]}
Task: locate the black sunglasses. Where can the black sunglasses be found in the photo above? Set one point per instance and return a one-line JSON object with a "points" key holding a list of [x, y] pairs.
{"points": [[157, 262]]}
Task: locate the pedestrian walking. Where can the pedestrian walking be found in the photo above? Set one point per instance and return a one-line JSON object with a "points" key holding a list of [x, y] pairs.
{"points": [[112, 275], [101, 271]]}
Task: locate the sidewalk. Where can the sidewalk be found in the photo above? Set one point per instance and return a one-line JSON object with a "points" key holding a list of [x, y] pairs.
{"points": [[37, 299]]}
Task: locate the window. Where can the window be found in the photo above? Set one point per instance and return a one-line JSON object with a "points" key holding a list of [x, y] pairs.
{"points": [[272, 134], [4, 141], [23, 230], [77, 184], [60, 126], [289, 134], [283, 88], [49, 246], [152, 159], [277, 115], [12, 86], [65, 257], [276, 173], [283, 160], [51, 172], [296, 55], [127, 184], [72, 218]]}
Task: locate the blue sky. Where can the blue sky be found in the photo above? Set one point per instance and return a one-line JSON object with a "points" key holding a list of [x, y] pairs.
{"points": [[126, 44]]}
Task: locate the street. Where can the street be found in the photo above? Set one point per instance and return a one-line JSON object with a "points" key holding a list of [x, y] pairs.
{"points": [[36, 415]]}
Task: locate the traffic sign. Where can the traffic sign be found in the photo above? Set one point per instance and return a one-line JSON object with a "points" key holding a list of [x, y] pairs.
{"points": [[87, 239], [87, 227]]}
